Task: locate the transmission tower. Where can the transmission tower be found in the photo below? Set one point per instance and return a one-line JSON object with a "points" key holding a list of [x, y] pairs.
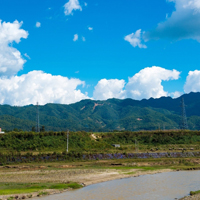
{"points": [[37, 120], [183, 123], [163, 127]]}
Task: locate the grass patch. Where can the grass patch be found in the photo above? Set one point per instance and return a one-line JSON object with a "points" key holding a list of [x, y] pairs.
{"points": [[65, 186], [19, 188], [10, 198], [130, 173], [152, 168], [194, 192], [42, 193]]}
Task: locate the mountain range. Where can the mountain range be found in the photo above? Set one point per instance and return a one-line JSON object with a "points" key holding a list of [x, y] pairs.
{"points": [[108, 115]]}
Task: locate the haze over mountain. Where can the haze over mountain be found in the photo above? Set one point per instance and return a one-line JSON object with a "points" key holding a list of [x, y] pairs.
{"points": [[108, 115]]}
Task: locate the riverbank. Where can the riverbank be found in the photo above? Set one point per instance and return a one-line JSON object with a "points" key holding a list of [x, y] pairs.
{"points": [[31, 194], [84, 179], [85, 173], [191, 197]]}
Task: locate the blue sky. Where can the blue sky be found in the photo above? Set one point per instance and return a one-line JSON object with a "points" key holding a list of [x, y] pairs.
{"points": [[67, 50]]}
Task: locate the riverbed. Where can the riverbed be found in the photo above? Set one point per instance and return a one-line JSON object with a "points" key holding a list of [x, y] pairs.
{"points": [[165, 186]]}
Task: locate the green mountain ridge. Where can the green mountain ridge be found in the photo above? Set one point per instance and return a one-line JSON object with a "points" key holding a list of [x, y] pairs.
{"points": [[108, 115]]}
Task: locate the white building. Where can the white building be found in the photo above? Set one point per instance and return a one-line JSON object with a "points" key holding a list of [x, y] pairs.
{"points": [[1, 132]]}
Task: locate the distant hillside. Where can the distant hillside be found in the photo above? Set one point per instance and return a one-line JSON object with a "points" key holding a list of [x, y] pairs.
{"points": [[112, 114]]}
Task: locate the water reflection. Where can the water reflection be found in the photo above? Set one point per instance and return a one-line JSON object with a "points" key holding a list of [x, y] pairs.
{"points": [[163, 186]]}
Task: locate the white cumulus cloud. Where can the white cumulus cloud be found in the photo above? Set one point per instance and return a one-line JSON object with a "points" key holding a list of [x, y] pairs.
{"points": [[176, 94], [38, 24], [42, 87], [106, 89], [135, 39], [90, 28], [147, 82], [75, 37], [11, 60], [70, 6], [192, 82], [184, 23]]}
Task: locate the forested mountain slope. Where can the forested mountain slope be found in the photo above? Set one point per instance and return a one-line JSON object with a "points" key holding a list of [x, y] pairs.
{"points": [[112, 114]]}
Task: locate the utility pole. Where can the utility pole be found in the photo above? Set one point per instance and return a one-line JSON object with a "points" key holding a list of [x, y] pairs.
{"points": [[183, 123], [136, 146], [67, 139], [37, 120]]}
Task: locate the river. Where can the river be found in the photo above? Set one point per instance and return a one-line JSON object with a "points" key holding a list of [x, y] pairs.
{"points": [[162, 186]]}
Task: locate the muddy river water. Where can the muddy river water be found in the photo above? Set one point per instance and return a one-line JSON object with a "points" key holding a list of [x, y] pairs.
{"points": [[163, 186]]}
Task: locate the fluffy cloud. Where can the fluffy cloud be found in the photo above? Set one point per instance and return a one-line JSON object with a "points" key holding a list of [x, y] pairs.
{"points": [[106, 89], [147, 82], [11, 60], [135, 39], [70, 6], [75, 37], [192, 82], [143, 85], [38, 24], [10, 32], [90, 28], [46, 88], [176, 94], [184, 23], [39, 86]]}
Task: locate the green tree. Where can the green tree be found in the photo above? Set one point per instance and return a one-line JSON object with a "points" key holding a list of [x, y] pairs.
{"points": [[42, 129], [33, 129]]}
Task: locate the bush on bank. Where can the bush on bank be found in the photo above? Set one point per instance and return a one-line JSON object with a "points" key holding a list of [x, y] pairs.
{"points": [[153, 137]]}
